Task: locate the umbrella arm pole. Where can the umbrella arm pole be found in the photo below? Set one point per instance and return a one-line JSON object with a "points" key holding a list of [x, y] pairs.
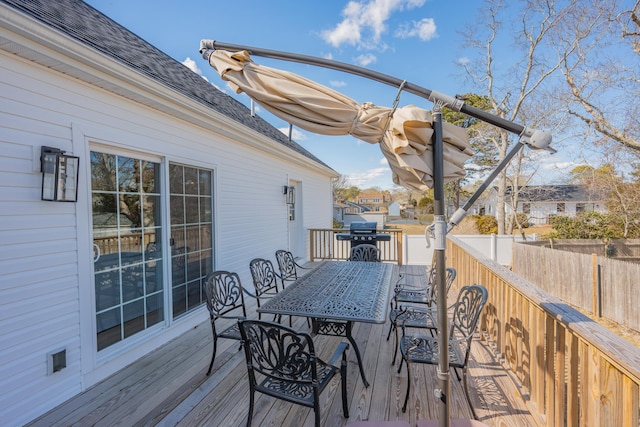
{"points": [[459, 214]]}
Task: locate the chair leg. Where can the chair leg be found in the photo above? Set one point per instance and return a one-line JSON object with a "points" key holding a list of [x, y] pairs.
{"points": [[343, 381], [397, 344], [213, 356], [466, 392], [316, 417], [406, 396], [401, 362], [391, 322], [250, 416]]}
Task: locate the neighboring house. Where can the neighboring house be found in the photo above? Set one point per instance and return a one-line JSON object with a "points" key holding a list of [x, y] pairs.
{"points": [[376, 202], [541, 202], [170, 171], [354, 208], [393, 209], [339, 210]]}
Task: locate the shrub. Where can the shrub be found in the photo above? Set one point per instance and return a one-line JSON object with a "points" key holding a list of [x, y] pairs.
{"points": [[487, 224]]}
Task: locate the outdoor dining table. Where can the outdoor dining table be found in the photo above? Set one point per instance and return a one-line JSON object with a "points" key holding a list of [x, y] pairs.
{"points": [[335, 294]]}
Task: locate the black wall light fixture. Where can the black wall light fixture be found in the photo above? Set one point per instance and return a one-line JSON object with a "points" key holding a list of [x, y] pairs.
{"points": [[289, 193], [59, 175]]}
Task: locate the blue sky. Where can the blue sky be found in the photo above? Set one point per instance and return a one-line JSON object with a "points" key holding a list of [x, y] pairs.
{"points": [[414, 40]]}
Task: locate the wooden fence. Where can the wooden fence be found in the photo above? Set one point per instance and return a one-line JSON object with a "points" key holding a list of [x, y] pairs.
{"points": [[325, 246], [571, 370], [602, 286]]}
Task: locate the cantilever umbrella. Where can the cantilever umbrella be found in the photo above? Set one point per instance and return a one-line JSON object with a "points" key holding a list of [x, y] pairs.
{"points": [[404, 134]]}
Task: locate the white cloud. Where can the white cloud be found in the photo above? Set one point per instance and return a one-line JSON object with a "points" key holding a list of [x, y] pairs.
{"points": [[191, 64], [338, 83], [366, 59], [364, 22], [367, 178], [424, 29], [384, 161], [296, 134], [463, 60]]}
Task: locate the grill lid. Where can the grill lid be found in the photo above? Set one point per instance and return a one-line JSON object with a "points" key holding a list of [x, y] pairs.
{"points": [[363, 227]]}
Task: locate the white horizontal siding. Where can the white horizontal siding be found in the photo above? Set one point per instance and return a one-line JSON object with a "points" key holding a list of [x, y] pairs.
{"points": [[44, 273]]}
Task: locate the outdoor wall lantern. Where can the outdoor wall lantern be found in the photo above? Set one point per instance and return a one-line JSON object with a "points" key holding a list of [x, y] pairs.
{"points": [[59, 175], [289, 193]]}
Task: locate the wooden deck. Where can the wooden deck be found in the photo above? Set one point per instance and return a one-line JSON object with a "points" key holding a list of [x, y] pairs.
{"points": [[169, 387]]}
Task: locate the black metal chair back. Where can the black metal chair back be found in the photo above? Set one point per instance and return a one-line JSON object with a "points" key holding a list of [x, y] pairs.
{"points": [[287, 265], [282, 363], [224, 295], [365, 252], [264, 276]]}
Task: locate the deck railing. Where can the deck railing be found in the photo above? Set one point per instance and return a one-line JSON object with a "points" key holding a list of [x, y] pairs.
{"points": [[325, 246], [571, 370]]}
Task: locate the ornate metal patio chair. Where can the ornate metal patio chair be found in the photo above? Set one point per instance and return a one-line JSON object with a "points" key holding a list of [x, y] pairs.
{"points": [[416, 316], [365, 252], [265, 281], [282, 363], [224, 294], [288, 269], [288, 266], [424, 349], [404, 292]]}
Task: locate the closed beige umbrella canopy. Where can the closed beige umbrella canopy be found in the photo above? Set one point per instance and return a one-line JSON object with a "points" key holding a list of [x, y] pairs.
{"points": [[405, 138]]}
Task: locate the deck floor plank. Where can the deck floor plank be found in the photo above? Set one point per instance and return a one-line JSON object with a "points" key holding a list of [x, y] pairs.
{"points": [[169, 387]]}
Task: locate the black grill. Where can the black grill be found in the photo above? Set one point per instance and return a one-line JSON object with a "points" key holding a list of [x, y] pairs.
{"points": [[363, 232]]}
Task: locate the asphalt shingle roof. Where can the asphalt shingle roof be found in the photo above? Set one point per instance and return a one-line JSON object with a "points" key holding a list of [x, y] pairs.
{"points": [[555, 193], [82, 22]]}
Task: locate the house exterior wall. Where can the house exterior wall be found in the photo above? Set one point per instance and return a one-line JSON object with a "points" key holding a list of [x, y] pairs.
{"points": [[394, 209], [46, 282], [541, 212]]}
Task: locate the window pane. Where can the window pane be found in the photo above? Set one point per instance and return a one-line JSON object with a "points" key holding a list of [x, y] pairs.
{"points": [[177, 210], [175, 179], [153, 244], [179, 300], [133, 314], [128, 174], [150, 177], [194, 296], [190, 181], [132, 283], [205, 209], [103, 172], [193, 238], [105, 210], [151, 210], [153, 276], [119, 210], [192, 211], [205, 236], [191, 255], [107, 290], [205, 183], [108, 324], [155, 309]]}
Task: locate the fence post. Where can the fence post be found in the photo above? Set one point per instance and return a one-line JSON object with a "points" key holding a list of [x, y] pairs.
{"points": [[494, 247], [594, 284]]}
